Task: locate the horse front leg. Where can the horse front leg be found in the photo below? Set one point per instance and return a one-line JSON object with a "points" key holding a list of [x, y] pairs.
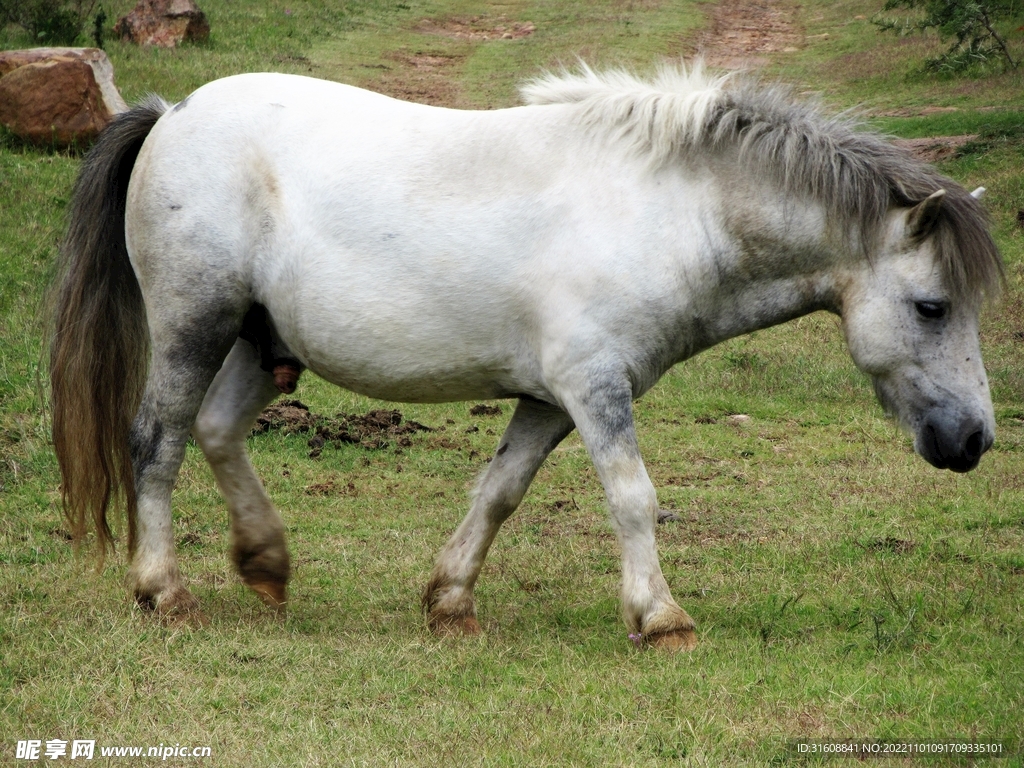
{"points": [[604, 417], [239, 392], [534, 431]]}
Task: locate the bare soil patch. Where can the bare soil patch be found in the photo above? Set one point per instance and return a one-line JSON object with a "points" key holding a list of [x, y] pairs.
{"points": [[741, 33], [330, 487], [476, 28], [428, 75], [932, 149], [374, 430], [889, 544], [421, 76]]}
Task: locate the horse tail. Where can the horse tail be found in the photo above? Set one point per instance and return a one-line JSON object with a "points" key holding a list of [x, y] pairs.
{"points": [[100, 338]]}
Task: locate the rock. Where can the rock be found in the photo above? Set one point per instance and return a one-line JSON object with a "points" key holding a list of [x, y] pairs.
{"points": [[59, 96], [163, 23]]}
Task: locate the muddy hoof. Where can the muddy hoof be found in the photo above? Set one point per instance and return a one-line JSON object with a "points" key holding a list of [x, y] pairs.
{"points": [[273, 593], [454, 626], [673, 641], [176, 607]]}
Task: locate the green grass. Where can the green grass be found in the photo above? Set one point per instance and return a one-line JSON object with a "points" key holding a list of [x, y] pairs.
{"points": [[842, 587], [847, 58]]}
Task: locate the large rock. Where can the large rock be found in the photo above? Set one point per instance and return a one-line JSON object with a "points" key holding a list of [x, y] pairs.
{"points": [[59, 96], [163, 23]]}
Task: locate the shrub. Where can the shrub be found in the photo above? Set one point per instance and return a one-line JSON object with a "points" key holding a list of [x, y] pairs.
{"points": [[50, 22], [969, 23]]}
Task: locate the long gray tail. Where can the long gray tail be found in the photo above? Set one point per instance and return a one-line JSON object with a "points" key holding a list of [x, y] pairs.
{"points": [[100, 339]]}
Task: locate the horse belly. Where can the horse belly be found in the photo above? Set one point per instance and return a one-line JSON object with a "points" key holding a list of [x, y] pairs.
{"points": [[407, 342]]}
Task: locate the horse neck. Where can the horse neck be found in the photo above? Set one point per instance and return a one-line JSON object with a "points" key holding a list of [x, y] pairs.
{"points": [[778, 259]]}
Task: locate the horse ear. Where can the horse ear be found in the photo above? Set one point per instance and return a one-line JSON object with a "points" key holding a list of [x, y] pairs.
{"points": [[923, 216], [976, 194]]}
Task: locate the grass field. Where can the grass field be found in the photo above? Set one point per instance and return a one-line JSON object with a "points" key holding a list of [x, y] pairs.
{"points": [[842, 587]]}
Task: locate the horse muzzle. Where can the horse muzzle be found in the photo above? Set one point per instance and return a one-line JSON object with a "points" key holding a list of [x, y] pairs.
{"points": [[952, 441]]}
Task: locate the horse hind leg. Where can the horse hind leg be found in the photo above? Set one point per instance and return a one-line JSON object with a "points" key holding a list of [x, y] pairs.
{"points": [[186, 355], [240, 391], [534, 431]]}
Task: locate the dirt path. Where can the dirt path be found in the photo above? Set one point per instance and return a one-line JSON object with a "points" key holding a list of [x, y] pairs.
{"points": [[741, 33], [429, 76]]}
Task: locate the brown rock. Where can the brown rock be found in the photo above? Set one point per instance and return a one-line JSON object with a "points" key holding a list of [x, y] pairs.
{"points": [[60, 96], [102, 69], [163, 23]]}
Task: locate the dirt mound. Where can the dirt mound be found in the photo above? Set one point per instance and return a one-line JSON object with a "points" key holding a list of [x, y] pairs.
{"points": [[374, 430], [482, 409], [289, 416]]}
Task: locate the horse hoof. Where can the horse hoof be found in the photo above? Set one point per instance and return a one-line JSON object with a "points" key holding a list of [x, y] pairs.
{"points": [[454, 626], [178, 606], [273, 593], [674, 640]]}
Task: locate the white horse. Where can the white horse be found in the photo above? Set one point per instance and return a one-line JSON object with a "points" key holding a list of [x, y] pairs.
{"points": [[566, 253]]}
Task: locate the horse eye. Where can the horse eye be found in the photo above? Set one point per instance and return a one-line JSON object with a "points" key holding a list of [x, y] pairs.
{"points": [[930, 310]]}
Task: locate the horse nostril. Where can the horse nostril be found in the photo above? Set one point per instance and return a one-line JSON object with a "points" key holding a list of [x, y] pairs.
{"points": [[975, 445]]}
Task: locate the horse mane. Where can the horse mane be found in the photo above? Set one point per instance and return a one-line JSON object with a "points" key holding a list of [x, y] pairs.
{"points": [[856, 174]]}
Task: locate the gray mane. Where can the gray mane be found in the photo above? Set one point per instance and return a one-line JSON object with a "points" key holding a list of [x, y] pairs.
{"points": [[855, 174]]}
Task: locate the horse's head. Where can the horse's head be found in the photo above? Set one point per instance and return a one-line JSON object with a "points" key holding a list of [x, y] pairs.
{"points": [[910, 315]]}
